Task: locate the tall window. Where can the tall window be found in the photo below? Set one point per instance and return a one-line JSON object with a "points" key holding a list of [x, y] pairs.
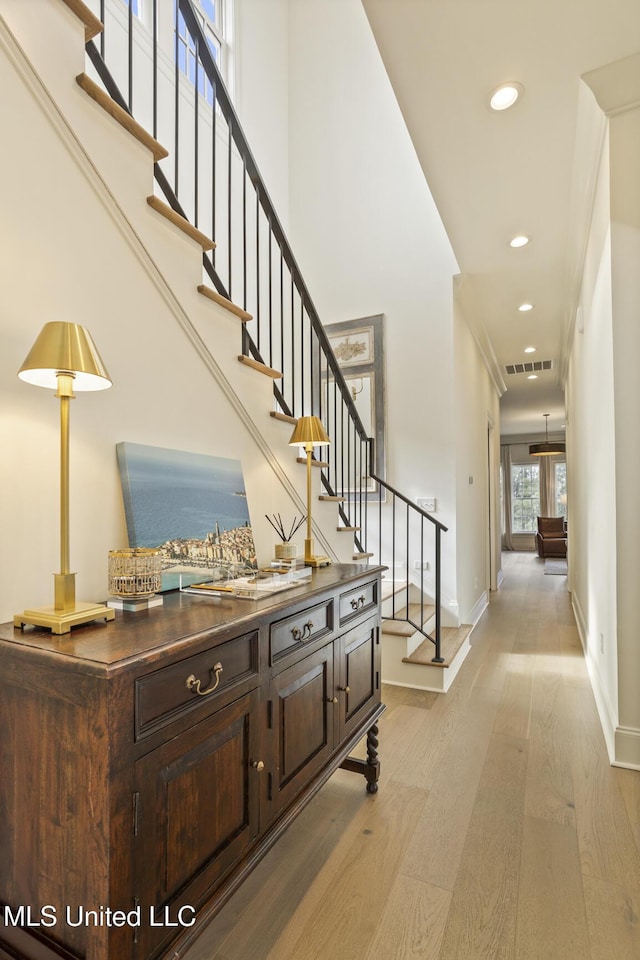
{"points": [[211, 16], [560, 488], [136, 6], [525, 497]]}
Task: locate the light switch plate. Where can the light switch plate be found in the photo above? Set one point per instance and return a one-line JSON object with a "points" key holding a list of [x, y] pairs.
{"points": [[427, 503]]}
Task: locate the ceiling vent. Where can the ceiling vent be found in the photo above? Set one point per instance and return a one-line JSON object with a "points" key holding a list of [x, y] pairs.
{"points": [[529, 366]]}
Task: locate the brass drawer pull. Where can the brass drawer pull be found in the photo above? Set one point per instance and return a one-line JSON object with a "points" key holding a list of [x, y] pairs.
{"points": [[257, 765], [299, 634], [344, 689], [193, 684], [332, 699], [360, 602]]}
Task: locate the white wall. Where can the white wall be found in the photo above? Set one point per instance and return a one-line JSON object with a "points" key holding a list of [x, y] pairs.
{"points": [[261, 37], [592, 467], [603, 398], [477, 480], [369, 239], [625, 255]]}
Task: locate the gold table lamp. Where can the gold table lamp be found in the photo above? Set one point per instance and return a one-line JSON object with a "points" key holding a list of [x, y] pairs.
{"points": [[63, 357], [308, 433]]}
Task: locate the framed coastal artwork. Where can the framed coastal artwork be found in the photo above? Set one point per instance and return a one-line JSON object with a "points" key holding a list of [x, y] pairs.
{"points": [[358, 348], [190, 506]]}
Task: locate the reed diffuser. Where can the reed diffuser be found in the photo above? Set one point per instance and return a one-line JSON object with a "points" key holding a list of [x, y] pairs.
{"points": [[285, 550]]}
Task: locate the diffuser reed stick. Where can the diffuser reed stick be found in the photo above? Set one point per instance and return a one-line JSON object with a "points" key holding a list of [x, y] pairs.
{"points": [[279, 527]]}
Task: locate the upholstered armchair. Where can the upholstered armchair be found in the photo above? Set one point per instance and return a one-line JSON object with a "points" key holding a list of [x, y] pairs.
{"points": [[551, 538]]}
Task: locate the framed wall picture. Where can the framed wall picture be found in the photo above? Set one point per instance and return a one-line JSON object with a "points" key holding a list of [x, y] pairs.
{"points": [[358, 348], [190, 506]]}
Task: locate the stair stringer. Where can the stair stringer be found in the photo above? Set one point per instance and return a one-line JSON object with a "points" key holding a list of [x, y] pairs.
{"points": [[172, 262]]}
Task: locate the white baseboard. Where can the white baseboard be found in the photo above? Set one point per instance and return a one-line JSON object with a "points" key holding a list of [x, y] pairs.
{"points": [[479, 608], [627, 748], [623, 743]]}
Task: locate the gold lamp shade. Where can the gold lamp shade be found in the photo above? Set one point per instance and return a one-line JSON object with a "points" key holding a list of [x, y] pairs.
{"points": [[308, 430], [65, 348], [309, 433], [63, 357]]}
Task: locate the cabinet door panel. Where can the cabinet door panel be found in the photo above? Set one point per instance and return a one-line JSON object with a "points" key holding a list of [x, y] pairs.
{"points": [[359, 673], [197, 810], [303, 722]]}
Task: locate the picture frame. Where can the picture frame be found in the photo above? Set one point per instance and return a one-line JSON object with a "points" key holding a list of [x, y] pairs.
{"points": [[358, 346]]}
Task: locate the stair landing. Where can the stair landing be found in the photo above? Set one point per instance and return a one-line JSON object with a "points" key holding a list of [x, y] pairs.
{"points": [[417, 670]]}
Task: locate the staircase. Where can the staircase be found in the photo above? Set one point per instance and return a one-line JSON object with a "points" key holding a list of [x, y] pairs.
{"points": [[249, 271]]}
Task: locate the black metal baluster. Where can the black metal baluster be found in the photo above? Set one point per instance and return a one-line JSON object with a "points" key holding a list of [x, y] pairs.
{"points": [[393, 553], [343, 490], [257, 324], [281, 313], [196, 130], [406, 563], [270, 296], [214, 169], [229, 188], [380, 540], [155, 69], [438, 657], [176, 131], [422, 570], [130, 57], [244, 233]]}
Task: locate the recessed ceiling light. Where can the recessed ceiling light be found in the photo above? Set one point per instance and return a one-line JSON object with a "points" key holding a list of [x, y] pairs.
{"points": [[505, 95], [529, 349], [519, 241], [532, 376], [524, 307]]}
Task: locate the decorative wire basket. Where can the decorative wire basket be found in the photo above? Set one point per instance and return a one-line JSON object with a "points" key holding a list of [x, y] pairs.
{"points": [[135, 572]]}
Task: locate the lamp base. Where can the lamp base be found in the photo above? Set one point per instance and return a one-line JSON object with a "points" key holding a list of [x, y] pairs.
{"points": [[310, 560], [317, 562], [61, 621]]}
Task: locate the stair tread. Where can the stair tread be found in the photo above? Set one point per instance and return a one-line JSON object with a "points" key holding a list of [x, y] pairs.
{"points": [[260, 367], [181, 222], [347, 529], [229, 305], [331, 499], [362, 556], [401, 628], [451, 639], [314, 463], [118, 113], [283, 416], [92, 24]]}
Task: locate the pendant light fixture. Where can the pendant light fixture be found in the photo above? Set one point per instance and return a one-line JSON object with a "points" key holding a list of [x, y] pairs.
{"points": [[550, 447]]}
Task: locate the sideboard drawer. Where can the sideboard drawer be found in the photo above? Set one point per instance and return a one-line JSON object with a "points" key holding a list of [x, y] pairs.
{"points": [[297, 631], [361, 600], [168, 693]]}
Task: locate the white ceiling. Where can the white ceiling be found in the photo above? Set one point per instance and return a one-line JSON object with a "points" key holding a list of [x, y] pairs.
{"points": [[523, 170]]}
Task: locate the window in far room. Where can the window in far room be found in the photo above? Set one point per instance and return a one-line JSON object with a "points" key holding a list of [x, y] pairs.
{"points": [[525, 497], [560, 488]]}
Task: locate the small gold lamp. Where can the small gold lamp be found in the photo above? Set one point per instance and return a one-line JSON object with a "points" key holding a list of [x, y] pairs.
{"points": [[308, 433], [63, 357]]}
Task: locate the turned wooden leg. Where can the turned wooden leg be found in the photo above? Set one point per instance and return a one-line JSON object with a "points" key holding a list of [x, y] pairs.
{"points": [[372, 766]]}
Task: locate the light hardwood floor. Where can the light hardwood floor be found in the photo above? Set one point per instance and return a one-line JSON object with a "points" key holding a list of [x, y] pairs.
{"points": [[500, 830]]}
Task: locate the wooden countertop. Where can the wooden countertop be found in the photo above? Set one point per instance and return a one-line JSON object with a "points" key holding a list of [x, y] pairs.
{"points": [[130, 635]]}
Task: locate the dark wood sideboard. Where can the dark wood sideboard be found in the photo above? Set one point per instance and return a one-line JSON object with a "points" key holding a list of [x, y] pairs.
{"points": [[146, 765]]}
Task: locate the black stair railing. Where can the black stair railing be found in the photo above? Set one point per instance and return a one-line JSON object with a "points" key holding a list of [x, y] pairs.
{"points": [[175, 89]]}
